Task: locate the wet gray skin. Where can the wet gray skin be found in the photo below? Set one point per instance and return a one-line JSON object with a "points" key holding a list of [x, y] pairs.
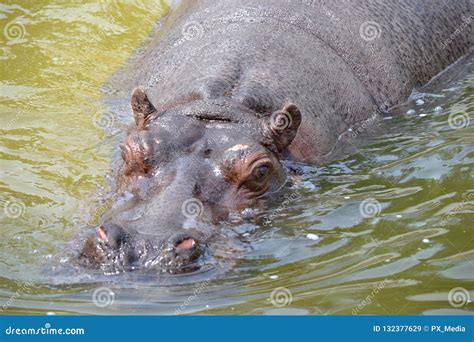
{"points": [[184, 172], [232, 87]]}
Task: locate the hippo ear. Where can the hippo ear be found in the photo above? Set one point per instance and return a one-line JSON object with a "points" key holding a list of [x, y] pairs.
{"points": [[282, 125], [137, 153], [142, 107]]}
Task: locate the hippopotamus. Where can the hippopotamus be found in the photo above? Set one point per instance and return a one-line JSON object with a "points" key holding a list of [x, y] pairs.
{"points": [[227, 93]]}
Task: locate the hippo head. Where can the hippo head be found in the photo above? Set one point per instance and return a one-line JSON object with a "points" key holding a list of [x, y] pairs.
{"points": [[185, 169]]}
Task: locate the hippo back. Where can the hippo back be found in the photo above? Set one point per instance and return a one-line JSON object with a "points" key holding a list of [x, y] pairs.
{"points": [[336, 60]]}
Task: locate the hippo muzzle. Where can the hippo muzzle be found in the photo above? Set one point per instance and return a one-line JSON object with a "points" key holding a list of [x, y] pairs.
{"points": [[115, 249]]}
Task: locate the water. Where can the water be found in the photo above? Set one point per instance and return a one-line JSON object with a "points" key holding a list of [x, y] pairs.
{"points": [[387, 230]]}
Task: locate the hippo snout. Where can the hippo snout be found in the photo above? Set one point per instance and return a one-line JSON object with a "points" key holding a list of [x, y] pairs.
{"points": [[180, 253], [114, 248]]}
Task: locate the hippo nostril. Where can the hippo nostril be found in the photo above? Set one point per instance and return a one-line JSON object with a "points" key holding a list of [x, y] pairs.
{"points": [[113, 235], [180, 253], [187, 243], [101, 233]]}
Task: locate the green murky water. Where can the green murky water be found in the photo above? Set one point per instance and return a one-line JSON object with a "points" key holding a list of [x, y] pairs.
{"points": [[387, 231]]}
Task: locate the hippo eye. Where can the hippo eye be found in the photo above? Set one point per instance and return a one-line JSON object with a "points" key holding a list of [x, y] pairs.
{"points": [[257, 182], [260, 173]]}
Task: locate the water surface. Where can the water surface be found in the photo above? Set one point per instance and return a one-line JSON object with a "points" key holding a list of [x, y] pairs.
{"points": [[387, 230]]}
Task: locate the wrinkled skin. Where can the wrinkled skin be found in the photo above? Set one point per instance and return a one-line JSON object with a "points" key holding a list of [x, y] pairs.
{"points": [[216, 110], [188, 168]]}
